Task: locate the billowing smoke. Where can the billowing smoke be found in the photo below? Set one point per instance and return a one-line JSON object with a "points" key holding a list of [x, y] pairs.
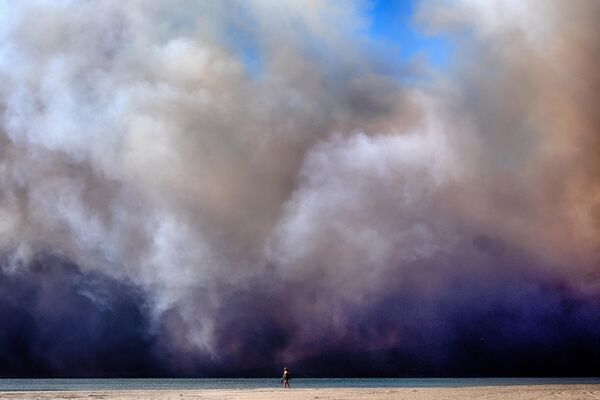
{"points": [[222, 187]]}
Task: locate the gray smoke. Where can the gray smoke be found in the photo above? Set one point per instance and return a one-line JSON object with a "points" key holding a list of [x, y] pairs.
{"points": [[272, 185]]}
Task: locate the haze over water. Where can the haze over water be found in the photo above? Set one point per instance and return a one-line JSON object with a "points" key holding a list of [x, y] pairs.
{"points": [[85, 384]]}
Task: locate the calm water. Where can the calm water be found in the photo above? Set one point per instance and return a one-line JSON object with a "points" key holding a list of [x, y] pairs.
{"points": [[182, 384]]}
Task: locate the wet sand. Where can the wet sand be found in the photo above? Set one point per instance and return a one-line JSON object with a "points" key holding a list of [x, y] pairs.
{"points": [[545, 392]]}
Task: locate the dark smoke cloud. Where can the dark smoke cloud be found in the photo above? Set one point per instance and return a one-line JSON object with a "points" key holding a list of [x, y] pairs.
{"points": [[58, 321], [165, 209]]}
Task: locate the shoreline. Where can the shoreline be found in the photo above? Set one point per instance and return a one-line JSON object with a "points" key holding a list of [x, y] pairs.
{"points": [[509, 392]]}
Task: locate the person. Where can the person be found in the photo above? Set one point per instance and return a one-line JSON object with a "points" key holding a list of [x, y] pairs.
{"points": [[285, 379]]}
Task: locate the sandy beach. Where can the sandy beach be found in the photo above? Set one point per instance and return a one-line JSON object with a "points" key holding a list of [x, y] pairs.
{"points": [[562, 392]]}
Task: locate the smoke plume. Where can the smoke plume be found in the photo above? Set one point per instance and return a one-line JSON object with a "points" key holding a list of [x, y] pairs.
{"points": [[219, 188]]}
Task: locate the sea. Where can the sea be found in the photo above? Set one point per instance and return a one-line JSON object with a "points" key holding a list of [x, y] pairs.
{"points": [[10, 385]]}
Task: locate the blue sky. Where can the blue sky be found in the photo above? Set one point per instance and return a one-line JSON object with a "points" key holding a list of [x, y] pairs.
{"points": [[392, 24]]}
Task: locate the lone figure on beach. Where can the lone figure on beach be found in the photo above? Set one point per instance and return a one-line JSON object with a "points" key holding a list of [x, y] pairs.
{"points": [[285, 379]]}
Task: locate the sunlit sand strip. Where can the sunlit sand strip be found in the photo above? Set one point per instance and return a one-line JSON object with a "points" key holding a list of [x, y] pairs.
{"points": [[558, 392]]}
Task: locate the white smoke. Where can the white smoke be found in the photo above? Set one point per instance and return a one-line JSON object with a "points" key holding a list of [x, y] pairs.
{"points": [[136, 142]]}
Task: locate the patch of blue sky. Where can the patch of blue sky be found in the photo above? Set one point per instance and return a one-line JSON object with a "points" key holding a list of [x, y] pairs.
{"points": [[392, 25], [247, 49]]}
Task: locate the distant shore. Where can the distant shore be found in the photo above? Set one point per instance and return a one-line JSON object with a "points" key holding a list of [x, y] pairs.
{"points": [[546, 392]]}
